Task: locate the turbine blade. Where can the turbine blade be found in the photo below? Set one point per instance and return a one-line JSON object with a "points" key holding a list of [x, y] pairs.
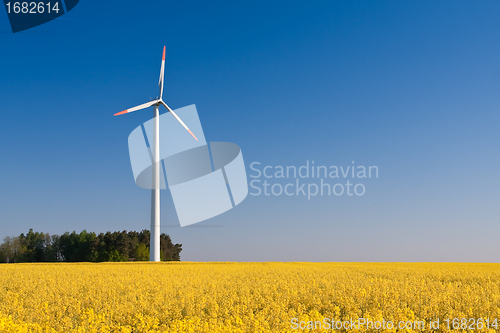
{"points": [[135, 108], [162, 72], [179, 119]]}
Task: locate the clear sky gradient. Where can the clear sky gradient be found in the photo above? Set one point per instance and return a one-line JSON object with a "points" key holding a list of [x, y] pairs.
{"points": [[412, 87]]}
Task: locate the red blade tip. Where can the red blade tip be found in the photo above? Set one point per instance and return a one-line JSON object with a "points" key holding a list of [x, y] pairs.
{"points": [[163, 58], [193, 135], [119, 113]]}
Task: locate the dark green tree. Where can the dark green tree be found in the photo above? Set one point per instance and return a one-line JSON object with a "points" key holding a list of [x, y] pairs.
{"points": [[141, 252], [85, 246], [77, 247]]}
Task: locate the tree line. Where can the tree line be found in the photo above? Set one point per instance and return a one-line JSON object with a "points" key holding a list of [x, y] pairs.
{"points": [[85, 246]]}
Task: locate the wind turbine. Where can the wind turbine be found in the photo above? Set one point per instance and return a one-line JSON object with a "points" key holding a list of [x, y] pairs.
{"points": [[154, 251]]}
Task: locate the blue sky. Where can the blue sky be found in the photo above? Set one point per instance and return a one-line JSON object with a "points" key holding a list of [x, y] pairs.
{"points": [[411, 87]]}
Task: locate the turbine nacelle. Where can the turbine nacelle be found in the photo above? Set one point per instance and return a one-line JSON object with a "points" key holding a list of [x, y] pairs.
{"points": [[158, 101]]}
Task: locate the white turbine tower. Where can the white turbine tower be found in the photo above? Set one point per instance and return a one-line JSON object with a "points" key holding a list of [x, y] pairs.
{"points": [[154, 250]]}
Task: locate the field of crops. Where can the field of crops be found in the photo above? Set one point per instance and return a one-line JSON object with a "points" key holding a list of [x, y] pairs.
{"points": [[245, 297]]}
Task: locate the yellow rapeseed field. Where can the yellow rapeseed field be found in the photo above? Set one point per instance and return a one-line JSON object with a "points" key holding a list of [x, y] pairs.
{"points": [[247, 297]]}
